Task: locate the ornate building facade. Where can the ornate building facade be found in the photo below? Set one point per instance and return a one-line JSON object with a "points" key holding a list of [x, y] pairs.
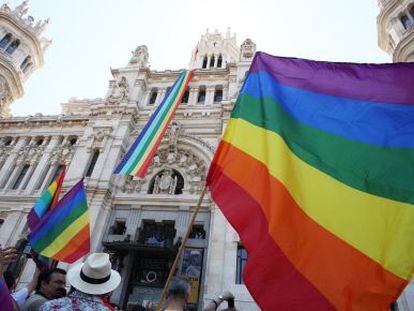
{"points": [[396, 29], [140, 222], [395, 24]]}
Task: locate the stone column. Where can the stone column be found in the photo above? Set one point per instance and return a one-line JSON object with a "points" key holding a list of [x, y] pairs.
{"points": [[208, 61], [225, 92], [9, 163], [209, 95], [192, 97]]}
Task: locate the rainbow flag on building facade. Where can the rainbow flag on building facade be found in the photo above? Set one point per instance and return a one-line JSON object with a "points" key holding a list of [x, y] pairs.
{"points": [[328, 219], [46, 201], [139, 155], [64, 233], [6, 301]]}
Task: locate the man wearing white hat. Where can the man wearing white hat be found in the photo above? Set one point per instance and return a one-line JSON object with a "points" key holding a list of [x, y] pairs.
{"points": [[90, 280]]}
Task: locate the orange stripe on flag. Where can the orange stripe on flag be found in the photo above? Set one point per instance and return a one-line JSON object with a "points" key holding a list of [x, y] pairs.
{"points": [[74, 244], [341, 272]]}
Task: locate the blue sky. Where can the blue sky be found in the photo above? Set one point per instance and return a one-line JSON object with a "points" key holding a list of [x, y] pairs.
{"points": [[90, 37]]}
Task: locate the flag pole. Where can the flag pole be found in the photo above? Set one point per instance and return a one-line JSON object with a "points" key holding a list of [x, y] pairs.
{"points": [[180, 250]]}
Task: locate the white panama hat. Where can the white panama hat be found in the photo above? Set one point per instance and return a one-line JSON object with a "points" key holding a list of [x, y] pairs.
{"points": [[94, 276]]}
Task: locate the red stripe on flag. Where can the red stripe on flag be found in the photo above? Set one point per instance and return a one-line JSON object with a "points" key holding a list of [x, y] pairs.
{"points": [[270, 277], [343, 274]]}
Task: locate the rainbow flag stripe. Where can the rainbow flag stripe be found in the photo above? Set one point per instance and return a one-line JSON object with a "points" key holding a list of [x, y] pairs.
{"points": [[64, 233], [139, 155], [328, 218], [6, 301], [46, 201]]}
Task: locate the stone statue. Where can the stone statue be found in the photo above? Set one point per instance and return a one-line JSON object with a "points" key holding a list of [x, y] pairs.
{"points": [[21, 9], [41, 25], [4, 96], [120, 92], [165, 183], [247, 49], [139, 56], [173, 134]]}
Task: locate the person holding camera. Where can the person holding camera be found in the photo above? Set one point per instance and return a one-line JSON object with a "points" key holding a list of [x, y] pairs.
{"points": [[216, 302]]}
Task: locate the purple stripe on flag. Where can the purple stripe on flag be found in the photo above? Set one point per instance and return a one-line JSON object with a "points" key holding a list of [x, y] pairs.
{"points": [[390, 83]]}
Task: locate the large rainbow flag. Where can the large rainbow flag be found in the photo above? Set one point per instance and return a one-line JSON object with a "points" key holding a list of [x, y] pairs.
{"points": [[139, 155], [63, 233], [46, 201], [328, 219]]}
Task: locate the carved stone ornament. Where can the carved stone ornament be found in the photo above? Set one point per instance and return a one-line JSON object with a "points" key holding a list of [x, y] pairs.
{"points": [[248, 48], [62, 154], [4, 98], [165, 183], [140, 56], [120, 92]]}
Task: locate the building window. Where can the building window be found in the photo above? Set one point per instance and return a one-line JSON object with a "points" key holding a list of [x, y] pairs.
{"points": [[241, 263], [1, 222], [218, 95], [412, 12], [153, 97], [205, 59], [73, 140], [42, 178], [39, 141], [212, 61], [186, 94], [5, 41], [119, 227], [92, 163], [406, 21], [8, 141], [197, 232], [201, 96], [26, 63], [13, 46], [20, 177], [219, 61]]}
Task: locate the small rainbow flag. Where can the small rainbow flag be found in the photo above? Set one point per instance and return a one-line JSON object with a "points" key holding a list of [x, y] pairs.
{"points": [[328, 218], [46, 201], [63, 234], [139, 155], [6, 301]]}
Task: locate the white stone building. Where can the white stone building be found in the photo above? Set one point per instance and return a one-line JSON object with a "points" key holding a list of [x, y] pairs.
{"points": [[139, 221], [395, 25], [396, 29]]}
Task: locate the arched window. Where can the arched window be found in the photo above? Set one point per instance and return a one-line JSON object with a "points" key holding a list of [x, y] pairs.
{"points": [[8, 141], [406, 21], [92, 163], [167, 181], [5, 41], [205, 62], [186, 94], [13, 46], [73, 140], [153, 97], [201, 95], [412, 12], [26, 63], [39, 141], [212, 59], [218, 95], [219, 61]]}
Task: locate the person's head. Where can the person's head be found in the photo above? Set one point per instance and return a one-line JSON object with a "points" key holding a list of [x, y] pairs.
{"points": [[94, 276], [10, 280], [52, 283], [178, 291]]}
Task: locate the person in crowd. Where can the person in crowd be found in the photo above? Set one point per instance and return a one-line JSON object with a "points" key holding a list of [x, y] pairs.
{"points": [[215, 303], [177, 294], [90, 281], [20, 296], [51, 284]]}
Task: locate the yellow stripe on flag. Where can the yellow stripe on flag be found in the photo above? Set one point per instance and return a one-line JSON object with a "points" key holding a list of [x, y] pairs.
{"points": [[381, 228]]}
